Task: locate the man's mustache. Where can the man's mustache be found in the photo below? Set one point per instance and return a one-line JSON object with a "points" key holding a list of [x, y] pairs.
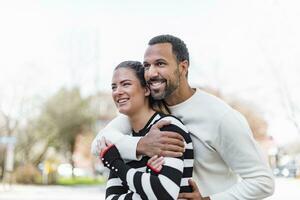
{"points": [[155, 80]]}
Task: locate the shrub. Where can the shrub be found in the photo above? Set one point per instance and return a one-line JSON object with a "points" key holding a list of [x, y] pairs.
{"points": [[28, 174]]}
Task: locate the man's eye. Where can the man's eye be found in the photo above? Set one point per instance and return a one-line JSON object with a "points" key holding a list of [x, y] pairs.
{"points": [[160, 64], [113, 88], [126, 84]]}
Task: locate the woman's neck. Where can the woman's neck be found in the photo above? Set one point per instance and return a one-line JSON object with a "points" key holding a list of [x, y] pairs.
{"points": [[139, 119]]}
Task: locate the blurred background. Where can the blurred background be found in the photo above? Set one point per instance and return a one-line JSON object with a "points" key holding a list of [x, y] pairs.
{"points": [[56, 63]]}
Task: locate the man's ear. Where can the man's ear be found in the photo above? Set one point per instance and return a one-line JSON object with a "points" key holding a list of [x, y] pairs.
{"points": [[184, 67], [147, 91]]}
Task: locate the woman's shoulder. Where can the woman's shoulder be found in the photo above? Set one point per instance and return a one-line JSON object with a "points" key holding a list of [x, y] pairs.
{"points": [[173, 121]]}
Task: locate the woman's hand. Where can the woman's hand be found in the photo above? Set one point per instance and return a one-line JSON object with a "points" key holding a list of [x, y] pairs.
{"points": [[155, 163], [109, 153], [103, 145]]}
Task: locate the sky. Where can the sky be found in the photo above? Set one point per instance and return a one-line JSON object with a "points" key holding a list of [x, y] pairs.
{"points": [[246, 48]]}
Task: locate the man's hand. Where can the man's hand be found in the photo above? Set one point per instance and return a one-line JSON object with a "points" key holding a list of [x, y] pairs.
{"points": [[195, 195], [161, 143]]}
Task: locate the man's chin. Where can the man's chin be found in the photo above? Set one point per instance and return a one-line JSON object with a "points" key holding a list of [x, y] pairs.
{"points": [[158, 95]]}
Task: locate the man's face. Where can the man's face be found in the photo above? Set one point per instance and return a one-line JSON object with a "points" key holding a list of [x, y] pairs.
{"points": [[161, 70]]}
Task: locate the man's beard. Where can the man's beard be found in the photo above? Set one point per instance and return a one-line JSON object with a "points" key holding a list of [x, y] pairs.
{"points": [[168, 90], [170, 87]]}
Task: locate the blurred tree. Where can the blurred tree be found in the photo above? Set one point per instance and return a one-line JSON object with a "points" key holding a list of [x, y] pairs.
{"points": [[256, 122], [292, 148], [8, 127], [287, 98], [63, 116]]}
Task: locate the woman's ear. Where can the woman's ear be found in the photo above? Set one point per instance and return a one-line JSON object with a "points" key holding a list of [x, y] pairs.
{"points": [[147, 91]]}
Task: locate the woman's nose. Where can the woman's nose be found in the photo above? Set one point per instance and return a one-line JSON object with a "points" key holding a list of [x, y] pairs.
{"points": [[118, 91]]}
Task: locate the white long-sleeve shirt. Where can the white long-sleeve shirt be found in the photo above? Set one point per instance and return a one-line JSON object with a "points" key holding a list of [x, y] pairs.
{"points": [[228, 165]]}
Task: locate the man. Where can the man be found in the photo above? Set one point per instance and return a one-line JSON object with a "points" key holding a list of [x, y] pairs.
{"points": [[228, 164]]}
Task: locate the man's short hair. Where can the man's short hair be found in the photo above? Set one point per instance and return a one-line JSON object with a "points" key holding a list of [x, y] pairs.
{"points": [[178, 46]]}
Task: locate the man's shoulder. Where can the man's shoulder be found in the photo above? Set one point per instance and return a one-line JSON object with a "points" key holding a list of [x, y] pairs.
{"points": [[209, 105]]}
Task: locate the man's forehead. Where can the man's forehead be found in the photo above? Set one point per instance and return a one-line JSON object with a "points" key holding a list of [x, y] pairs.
{"points": [[158, 51]]}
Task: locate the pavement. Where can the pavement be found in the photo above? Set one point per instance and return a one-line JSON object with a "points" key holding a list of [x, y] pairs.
{"points": [[285, 189], [33, 192]]}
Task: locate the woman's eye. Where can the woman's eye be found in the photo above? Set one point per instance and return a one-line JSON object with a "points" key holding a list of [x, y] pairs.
{"points": [[146, 66]]}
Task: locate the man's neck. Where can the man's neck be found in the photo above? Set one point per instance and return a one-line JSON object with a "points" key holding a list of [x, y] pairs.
{"points": [[180, 95]]}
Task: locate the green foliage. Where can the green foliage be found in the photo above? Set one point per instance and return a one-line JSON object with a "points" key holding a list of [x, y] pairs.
{"points": [[62, 117], [65, 115], [81, 181]]}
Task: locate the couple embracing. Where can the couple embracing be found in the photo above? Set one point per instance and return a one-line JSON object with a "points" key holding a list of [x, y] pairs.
{"points": [[172, 141]]}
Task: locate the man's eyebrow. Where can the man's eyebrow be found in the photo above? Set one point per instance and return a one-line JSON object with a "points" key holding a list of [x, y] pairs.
{"points": [[160, 59]]}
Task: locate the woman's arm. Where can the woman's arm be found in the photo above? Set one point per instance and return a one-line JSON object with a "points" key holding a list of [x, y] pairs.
{"points": [[165, 185], [115, 189]]}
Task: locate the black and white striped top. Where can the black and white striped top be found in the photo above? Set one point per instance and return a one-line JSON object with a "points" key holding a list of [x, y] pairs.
{"points": [[134, 180]]}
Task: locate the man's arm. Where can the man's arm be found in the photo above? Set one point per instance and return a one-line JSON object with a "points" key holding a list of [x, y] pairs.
{"points": [[156, 142], [117, 131], [238, 149], [162, 143]]}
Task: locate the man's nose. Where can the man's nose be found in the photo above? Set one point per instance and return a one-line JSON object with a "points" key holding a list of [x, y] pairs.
{"points": [[152, 71]]}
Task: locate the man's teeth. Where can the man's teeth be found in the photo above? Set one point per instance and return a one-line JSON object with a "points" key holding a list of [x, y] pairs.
{"points": [[155, 83]]}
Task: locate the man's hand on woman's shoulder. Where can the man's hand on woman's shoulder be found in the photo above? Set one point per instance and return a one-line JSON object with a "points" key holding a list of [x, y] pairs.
{"points": [[162, 143]]}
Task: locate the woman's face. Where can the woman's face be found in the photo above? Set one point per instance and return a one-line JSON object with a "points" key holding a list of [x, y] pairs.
{"points": [[127, 92]]}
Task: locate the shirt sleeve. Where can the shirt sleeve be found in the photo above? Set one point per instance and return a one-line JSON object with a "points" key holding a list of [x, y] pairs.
{"points": [[165, 185], [236, 145], [115, 189], [117, 131]]}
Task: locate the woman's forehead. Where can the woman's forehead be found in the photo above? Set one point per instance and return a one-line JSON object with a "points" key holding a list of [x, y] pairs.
{"points": [[122, 74]]}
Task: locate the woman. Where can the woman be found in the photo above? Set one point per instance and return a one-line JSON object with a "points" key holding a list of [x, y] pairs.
{"points": [[148, 178]]}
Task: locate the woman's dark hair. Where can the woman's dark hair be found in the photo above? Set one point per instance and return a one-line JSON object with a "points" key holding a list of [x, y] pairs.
{"points": [[138, 69]]}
